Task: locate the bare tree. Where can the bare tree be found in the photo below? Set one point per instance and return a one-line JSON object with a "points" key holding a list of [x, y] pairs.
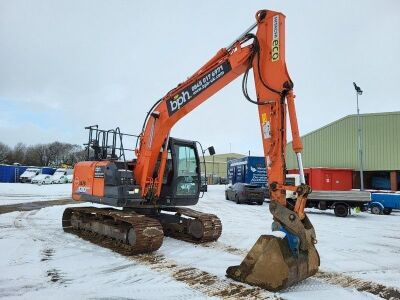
{"points": [[18, 153], [36, 155], [62, 153], [52, 154], [4, 153], [42, 154], [74, 155], [55, 150]]}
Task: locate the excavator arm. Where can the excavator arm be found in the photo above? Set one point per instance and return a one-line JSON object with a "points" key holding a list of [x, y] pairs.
{"points": [[273, 262], [265, 54], [222, 69]]}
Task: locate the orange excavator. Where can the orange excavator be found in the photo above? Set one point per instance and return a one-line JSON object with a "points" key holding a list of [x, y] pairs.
{"points": [[150, 192]]}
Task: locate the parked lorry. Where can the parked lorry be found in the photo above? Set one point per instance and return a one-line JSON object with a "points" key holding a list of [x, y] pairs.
{"points": [[384, 203], [340, 201], [248, 169]]}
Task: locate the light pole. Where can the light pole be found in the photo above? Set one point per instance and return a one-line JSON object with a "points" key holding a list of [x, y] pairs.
{"points": [[359, 142]]}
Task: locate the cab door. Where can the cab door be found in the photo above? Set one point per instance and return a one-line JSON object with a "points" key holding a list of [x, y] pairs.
{"points": [[181, 184]]}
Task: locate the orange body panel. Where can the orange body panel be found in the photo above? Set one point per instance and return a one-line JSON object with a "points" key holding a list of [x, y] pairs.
{"points": [[86, 181]]}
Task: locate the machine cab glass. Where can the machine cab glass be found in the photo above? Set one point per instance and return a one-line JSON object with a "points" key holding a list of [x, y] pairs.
{"points": [[182, 174], [187, 177]]}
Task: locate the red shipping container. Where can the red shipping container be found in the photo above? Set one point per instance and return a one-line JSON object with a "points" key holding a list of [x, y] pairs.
{"points": [[327, 179]]}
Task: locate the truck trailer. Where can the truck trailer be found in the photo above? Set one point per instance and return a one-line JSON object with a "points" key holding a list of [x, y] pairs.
{"points": [[248, 169], [341, 201]]}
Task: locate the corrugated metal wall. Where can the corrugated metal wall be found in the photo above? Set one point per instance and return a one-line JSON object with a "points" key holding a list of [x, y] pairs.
{"points": [[11, 173], [335, 145], [220, 163]]}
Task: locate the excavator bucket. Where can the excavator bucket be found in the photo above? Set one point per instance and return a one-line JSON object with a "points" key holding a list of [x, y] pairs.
{"points": [[278, 261], [271, 265]]}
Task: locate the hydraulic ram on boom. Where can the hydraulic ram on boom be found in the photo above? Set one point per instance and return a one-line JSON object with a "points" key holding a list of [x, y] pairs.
{"points": [[166, 173]]}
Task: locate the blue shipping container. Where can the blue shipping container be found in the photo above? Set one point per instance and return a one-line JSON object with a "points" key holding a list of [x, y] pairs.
{"points": [[6, 173], [249, 169], [11, 173]]}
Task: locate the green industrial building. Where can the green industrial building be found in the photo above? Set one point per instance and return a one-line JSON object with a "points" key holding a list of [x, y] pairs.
{"points": [[216, 166], [335, 146]]}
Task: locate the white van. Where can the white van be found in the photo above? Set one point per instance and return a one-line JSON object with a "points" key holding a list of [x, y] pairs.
{"points": [[29, 174], [60, 171], [59, 178], [70, 178], [42, 179]]}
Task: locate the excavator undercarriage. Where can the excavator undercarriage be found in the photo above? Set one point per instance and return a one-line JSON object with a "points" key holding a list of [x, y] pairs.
{"points": [[190, 225], [128, 233], [134, 233]]}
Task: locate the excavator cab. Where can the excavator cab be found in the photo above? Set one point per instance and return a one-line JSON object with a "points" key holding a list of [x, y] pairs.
{"points": [[182, 180], [107, 177]]}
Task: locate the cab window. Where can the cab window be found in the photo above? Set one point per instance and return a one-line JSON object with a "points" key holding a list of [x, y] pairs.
{"points": [[187, 177]]}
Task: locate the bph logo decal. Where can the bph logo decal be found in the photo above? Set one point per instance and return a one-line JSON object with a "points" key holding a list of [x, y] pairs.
{"points": [[178, 101]]}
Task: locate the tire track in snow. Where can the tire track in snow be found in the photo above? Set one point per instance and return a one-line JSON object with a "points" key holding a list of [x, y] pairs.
{"points": [[347, 281], [199, 280], [19, 219], [202, 281], [335, 278], [211, 284], [226, 248], [28, 206], [19, 223], [54, 275]]}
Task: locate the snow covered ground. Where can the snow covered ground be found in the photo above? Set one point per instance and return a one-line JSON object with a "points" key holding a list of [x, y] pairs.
{"points": [[13, 193], [40, 261]]}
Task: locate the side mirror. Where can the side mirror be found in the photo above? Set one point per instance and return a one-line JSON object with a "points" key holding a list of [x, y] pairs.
{"points": [[211, 150]]}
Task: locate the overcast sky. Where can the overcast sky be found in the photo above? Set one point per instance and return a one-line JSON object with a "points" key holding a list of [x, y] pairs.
{"points": [[68, 64]]}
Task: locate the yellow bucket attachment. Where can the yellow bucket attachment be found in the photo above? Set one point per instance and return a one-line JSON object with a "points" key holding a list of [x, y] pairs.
{"points": [[271, 265]]}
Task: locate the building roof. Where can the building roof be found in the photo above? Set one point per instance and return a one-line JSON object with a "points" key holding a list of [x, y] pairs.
{"points": [[224, 157], [335, 144], [351, 116]]}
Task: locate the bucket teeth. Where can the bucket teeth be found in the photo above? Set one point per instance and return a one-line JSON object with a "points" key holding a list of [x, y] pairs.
{"points": [[277, 262], [271, 265]]}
